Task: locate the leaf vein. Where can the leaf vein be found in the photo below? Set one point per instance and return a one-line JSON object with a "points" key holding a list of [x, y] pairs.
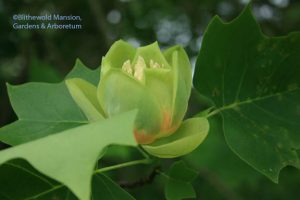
{"points": [[29, 172], [273, 115], [241, 80], [53, 121], [44, 192], [248, 101], [106, 186]]}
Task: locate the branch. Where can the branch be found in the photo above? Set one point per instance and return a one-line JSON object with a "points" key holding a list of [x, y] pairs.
{"points": [[141, 182]]}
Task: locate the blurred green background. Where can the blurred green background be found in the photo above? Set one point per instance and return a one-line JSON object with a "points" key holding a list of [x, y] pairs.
{"points": [[39, 55]]}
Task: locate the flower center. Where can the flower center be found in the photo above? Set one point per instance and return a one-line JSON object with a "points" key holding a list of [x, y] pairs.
{"points": [[137, 70]]}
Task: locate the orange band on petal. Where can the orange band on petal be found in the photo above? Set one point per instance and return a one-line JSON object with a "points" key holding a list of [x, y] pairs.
{"points": [[166, 122], [143, 138]]}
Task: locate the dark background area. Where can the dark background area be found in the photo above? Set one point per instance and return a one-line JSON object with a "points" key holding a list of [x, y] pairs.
{"points": [[48, 55]]}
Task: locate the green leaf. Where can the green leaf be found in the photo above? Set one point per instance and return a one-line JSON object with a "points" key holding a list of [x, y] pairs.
{"points": [[213, 158], [40, 71], [181, 171], [17, 174], [105, 188], [188, 136], [78, 149], [81, 71], [44, 108], [253, 81], [179, 182]]}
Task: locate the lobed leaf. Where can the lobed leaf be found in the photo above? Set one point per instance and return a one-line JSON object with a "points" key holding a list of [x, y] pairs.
{"points": [[105, 188], [44, 109], [179, 180], [70, 156], [17, 174], [253, 80]]}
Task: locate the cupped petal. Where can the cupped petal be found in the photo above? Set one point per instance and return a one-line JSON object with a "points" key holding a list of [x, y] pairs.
{"points": [[118, 92], [118, 53], [150, 53], [182, 63], [181, 68], [188, 136], [85, 96], [159, 82]]}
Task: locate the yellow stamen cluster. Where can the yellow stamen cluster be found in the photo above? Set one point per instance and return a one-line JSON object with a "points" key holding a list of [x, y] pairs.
{"points": [[138, 69], [127, 67]]}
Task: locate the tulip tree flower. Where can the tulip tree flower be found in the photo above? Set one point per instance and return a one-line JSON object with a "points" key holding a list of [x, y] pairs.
{"points": [[157, 84]]}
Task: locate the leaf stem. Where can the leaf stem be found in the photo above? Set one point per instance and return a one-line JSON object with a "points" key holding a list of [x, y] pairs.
{"points": [[46, 192], [230, 106], [99, 171], [163, 174], [205, 112], [143, 152], [122, 165]]}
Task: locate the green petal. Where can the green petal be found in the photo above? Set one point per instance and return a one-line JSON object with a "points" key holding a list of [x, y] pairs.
{"points": [[151, 52], [159, 82], [85, 96], [118, 92], [182, 64], [182, 81], [118, 53], [189, 135]]}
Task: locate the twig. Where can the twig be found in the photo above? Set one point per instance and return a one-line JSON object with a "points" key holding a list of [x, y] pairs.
{"points": [[140, 182]]}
